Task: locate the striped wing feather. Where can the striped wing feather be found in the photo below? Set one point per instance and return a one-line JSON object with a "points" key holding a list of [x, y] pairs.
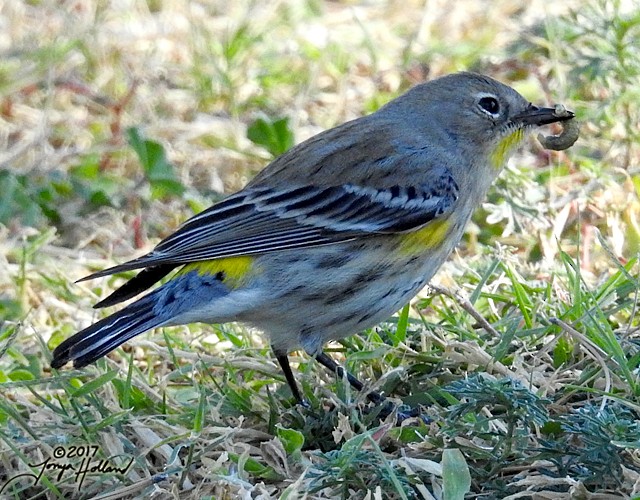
{"points": [[260, 220]]}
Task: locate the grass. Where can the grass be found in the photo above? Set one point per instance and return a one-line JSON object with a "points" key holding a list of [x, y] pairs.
{"points": [[117, 124]]}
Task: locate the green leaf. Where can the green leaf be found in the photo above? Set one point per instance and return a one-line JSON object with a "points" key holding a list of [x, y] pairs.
{"points": [[400, 334], [410, 434], [17, 201], [131, 397], [456, 478], [21, 374], [275, 136], [111, 420], [94, 385], [199, 419], [10, 309], [522, 298], [562, 352], [253, 467], [291, 440], [552, 428], [159, 172]]}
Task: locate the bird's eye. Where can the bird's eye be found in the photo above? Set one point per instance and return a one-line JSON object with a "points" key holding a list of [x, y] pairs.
{"points": [[490, 105]]}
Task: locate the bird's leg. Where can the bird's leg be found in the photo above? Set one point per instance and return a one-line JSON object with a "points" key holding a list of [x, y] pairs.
{"points": [[386, 407], [326, 361], [283, 361]]}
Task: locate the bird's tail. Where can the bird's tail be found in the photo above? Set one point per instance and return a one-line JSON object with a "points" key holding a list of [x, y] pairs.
{"points": [[102, 337]]}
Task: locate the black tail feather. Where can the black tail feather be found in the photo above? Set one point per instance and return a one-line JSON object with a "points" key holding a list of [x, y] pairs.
{"points": [[131, 265], [102, 337], [143, 280]]}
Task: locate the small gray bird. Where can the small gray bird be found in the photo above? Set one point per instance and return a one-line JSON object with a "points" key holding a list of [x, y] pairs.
{"points": [[336, 234]]}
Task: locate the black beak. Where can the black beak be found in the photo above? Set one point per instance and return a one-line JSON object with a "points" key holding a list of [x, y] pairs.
{"points": [[534, 115]]}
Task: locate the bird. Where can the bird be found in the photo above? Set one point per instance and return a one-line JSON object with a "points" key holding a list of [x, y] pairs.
{"points": [[333, 236]]}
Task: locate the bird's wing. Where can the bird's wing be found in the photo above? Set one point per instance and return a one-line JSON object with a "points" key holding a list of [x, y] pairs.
{"points": [[262, 219]]}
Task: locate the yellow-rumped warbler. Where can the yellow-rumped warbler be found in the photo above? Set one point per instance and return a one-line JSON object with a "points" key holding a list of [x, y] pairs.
{"points": [[335, 235]]}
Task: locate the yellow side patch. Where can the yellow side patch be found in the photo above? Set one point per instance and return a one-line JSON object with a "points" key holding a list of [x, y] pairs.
{"points": [[504, 148], [232, 271], [430, 236]]}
